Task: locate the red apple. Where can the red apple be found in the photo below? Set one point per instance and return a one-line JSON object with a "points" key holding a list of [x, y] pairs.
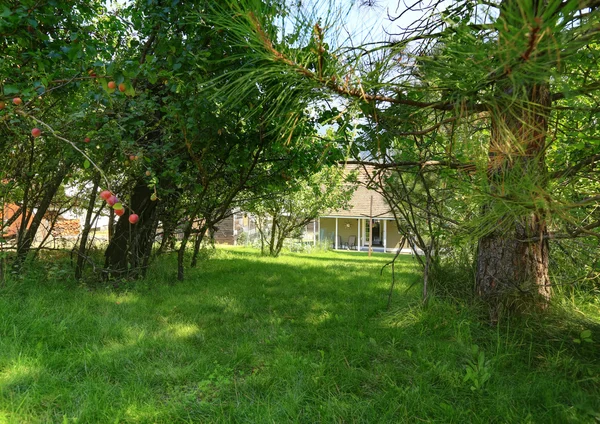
{"points": [[148, 173], [132, 157], [105, 194], [122, 88], [133, 218], [86, 140], [119, 212], [2, 105], [112, 85], [112, 200], [36, 132], [17, 101]]}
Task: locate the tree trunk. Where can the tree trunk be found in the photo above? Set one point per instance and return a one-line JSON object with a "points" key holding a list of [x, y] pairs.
{"points": [[168, 229], [512, 262], [199, 238], [86, 229], [186, 236], [111, 224], [131, 243], [151, 238], [181, 253], [274, 226], [25, 242], [260, 222]]}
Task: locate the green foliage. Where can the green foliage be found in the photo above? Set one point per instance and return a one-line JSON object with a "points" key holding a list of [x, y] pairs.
{"points": [[477, 369], [584, 336]]}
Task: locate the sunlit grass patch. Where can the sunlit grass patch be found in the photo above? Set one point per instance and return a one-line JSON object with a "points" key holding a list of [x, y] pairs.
{"points": [[300, 338]]}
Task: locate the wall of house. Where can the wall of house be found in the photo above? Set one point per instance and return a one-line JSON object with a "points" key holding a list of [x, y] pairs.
{"points": [[328, 232], [328, 229], [224, 234], [393, 237], [308, 233], [8, 211]]}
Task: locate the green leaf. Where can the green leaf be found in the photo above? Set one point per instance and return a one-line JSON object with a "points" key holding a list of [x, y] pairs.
{"points": [[86, 164], [586, 334], [11, 89], [130, 91], [104, 83], [118, 206]]}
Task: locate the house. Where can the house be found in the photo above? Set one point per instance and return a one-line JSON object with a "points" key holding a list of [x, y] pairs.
{"points": [[350, 228], [228, 230], [53, 227]]}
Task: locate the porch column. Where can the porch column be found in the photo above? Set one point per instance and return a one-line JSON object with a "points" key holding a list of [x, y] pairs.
{"points": [[234, 231], [315, 232], [358, 245], [336, 233], [384, 236], [319, 229]]}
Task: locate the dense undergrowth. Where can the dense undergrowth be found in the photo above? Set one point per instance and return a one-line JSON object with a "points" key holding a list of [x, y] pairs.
{"points": [[300, 338]]}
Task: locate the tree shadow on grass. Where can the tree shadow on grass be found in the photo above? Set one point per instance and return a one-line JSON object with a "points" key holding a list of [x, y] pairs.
{"points": [[244, 339]]}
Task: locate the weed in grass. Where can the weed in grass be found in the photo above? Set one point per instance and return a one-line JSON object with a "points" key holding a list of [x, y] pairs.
{"points": [[477, 369]]}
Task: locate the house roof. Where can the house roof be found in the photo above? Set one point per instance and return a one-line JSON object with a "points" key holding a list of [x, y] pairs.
{"points": [[360, 204]]}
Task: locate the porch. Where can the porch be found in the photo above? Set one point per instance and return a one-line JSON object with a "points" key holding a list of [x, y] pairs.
{"points": [[353, 233]]}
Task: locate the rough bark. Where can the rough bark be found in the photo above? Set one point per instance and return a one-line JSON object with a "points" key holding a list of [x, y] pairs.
{"points": [[512, 270], [131, 243]]}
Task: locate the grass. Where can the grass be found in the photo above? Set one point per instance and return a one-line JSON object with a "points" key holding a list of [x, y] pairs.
{"points": [[301, 338]]}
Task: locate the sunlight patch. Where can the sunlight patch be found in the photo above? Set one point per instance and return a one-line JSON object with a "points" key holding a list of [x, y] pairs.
{"points": [[19, 375], [229, 304], [183, 330], [320, 318], [401, 318]]}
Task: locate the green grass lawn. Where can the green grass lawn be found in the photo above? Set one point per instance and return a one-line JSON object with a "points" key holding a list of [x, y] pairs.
{"points": [[301, 338]]}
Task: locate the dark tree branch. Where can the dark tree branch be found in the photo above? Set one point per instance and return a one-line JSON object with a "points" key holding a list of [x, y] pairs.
{"points": [[577, 167]]}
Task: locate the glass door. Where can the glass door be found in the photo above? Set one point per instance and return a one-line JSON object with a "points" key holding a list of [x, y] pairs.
{"points": [[377, 241]]}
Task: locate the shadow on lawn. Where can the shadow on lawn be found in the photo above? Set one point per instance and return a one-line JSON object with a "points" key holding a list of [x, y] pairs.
{"points": [[237, 314], [239, 323]]}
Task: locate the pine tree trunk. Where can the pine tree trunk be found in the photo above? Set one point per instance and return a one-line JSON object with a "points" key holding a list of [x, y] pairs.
{"points": [[512, 262]]}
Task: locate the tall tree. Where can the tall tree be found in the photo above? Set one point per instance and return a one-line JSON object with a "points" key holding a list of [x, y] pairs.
{"points": [[508, 72]]}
